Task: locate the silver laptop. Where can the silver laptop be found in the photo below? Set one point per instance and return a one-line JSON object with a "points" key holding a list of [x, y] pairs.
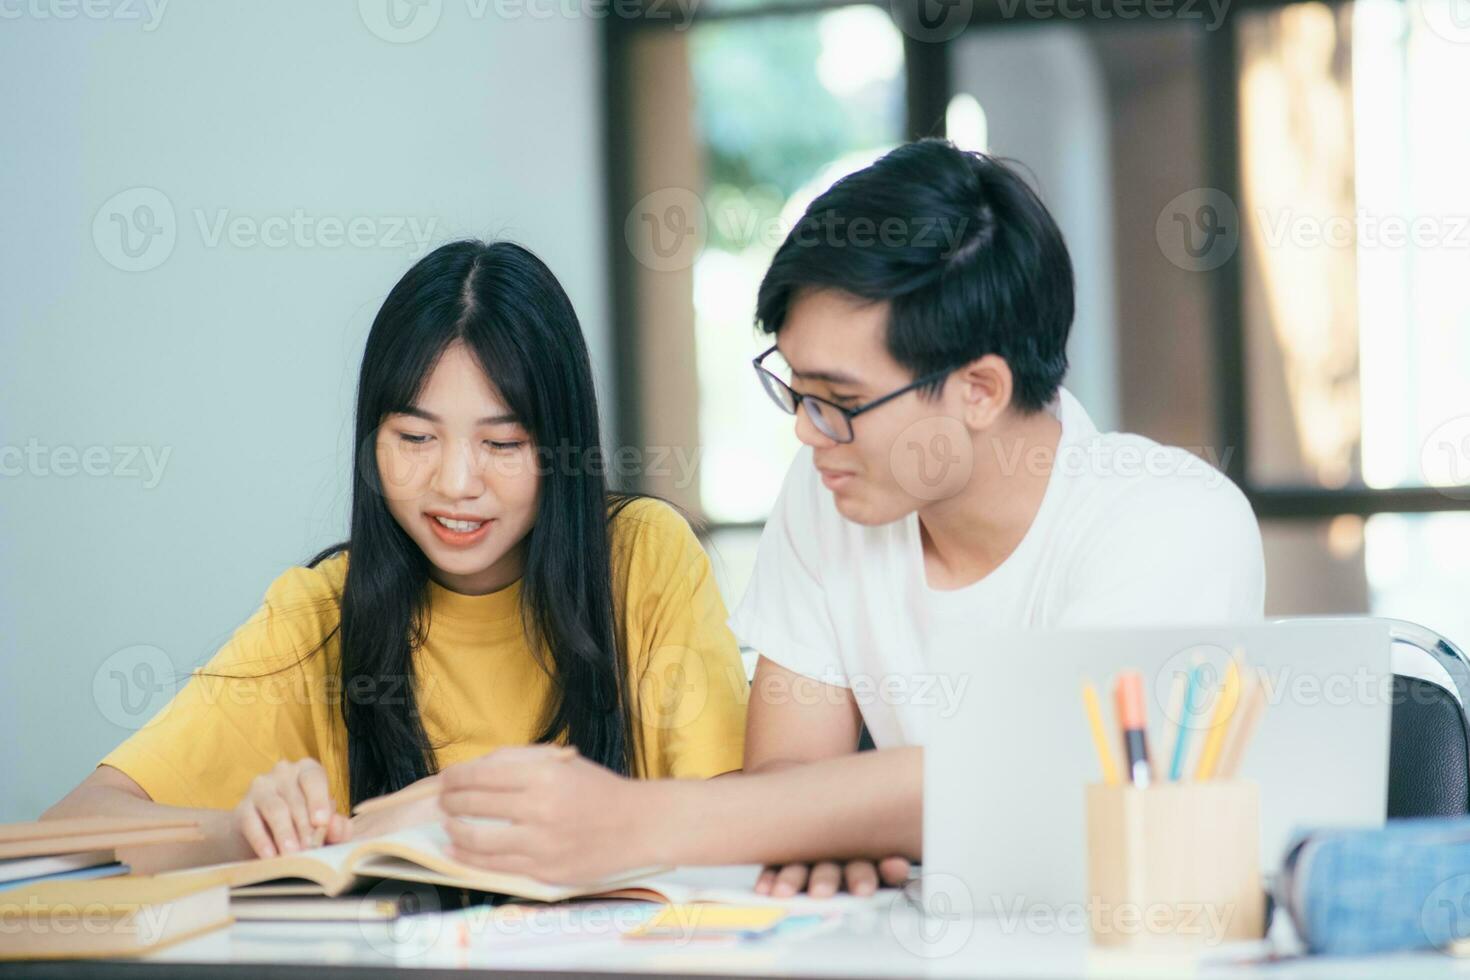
{"points": [[1005, 769]]}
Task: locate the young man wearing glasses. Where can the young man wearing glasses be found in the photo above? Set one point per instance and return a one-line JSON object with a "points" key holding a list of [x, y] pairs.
{"points": [[946, 476], [921, 309]]}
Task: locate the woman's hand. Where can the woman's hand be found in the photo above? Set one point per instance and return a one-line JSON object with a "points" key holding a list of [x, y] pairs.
{"points": [[289, 809], [401, 809], [826, 877], [546, 812]]}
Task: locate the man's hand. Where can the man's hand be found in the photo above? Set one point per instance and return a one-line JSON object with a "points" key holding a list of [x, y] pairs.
{"points": [[783, 733], [825, 878], [546, 812]]}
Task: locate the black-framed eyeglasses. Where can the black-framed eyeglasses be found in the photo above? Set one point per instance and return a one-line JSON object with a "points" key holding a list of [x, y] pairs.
{"points": [[832, 421]]}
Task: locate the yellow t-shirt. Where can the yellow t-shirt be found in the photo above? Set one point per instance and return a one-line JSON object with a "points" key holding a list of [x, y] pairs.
{"points": [[479, 686]]}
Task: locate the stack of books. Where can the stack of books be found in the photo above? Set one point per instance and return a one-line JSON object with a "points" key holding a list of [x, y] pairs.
{"points": [[84, 847], [63, 892], [72, 872]]}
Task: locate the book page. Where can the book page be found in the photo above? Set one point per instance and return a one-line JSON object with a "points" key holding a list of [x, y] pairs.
{"points": [[419, 854], [325, 866]]}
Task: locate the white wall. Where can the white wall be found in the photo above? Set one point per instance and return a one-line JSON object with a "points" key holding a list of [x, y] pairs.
{"points": [[235, 359]]}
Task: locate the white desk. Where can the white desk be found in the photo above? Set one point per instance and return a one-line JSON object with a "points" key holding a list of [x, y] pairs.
{"points": [[883, 936]]}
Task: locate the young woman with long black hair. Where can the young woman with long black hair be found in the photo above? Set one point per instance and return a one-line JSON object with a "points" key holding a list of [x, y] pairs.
{"points": [[492, 593]]}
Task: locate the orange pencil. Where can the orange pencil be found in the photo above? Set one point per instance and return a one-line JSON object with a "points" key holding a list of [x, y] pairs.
{"points": [[1133, 718]]}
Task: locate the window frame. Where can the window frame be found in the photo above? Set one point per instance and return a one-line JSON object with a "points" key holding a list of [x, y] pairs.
{"points": [[929, 87]]}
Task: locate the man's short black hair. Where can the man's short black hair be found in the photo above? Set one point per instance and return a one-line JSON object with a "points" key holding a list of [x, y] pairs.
{"points": [[967, 256]]}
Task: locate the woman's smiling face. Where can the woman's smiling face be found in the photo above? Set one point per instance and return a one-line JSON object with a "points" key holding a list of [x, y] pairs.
{"points": [[460, 476]]}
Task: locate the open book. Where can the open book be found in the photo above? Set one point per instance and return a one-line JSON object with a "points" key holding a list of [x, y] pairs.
{"points": [[412, 854], [419, 854]]}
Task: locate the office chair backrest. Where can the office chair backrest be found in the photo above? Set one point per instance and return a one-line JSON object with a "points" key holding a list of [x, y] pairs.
{"points": [[1429, 751]]}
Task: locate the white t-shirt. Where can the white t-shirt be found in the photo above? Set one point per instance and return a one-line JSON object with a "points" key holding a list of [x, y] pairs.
{"points": [[1129, 534]]}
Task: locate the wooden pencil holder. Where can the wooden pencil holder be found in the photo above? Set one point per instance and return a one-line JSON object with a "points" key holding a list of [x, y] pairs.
{"points": [[1175, 864]]}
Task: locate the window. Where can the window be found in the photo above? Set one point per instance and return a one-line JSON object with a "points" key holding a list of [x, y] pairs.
{"points": [[785, 105], [1356, 221], [752, 113], [1269, 226], [1355, 233]]}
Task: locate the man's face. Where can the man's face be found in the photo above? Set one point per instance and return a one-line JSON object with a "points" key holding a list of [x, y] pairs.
{"points": [[905, 453]]}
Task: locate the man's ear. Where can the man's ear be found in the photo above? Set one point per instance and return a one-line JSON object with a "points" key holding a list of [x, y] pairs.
{"points": [[986, 386]]}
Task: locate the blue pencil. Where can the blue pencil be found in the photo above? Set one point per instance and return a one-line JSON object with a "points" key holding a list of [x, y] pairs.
{"points": [[1191, 683]]}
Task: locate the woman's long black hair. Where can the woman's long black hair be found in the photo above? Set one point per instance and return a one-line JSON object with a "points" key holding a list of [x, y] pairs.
{"points": [[514, 317]]}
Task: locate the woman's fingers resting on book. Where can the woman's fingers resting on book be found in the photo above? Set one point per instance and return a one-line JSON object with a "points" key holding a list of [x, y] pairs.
{"points": [[289, 808]]}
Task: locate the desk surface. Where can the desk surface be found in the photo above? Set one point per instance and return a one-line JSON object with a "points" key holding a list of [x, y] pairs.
{"points": [[883, 936]]}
